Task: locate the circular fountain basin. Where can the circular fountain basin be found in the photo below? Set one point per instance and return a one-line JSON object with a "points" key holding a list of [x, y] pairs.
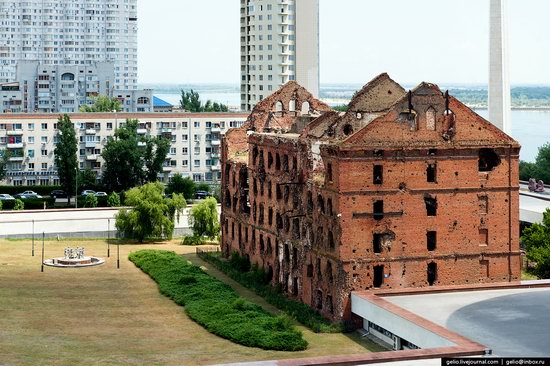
{"points": [[74, 263]]}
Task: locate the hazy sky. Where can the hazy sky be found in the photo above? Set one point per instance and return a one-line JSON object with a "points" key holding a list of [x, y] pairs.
{"points": [[441, 41]]}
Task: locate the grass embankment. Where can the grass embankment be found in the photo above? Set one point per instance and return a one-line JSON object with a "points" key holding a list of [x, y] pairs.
{"points": [[216, 306], [255, 279]]}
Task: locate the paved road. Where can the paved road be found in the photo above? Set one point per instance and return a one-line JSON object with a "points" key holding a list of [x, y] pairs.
{"points": [[510, 322]]}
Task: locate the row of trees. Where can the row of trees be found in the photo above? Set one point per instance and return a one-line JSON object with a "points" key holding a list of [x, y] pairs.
{"points": [[190, 101], [540, 169]]}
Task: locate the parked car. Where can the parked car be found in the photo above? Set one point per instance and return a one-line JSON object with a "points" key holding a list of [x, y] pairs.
{"points": [[58, 194], [101, 194], [200, 195], [28, 194], [6, 197], [87, 192]]}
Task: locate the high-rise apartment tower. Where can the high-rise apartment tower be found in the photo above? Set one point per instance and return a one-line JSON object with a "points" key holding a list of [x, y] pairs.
{"points": [[76, 32], [279, 43]]}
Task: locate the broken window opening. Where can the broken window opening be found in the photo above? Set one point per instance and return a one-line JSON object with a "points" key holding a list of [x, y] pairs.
{"points": [[331, 243], [431, 205], [287, 223], [285, 163], [279, 192], [329, 172], [270, 217], [305, 108], [488, 160], [295, 286], [431, 119], [319, 275], [254, 155], [294, 164], [269, 276], [319, 299], [432, 273], [255, 188], [227, 199], [286, 194], [382, 241], [330, 307], [232, 231], [321, 204], [409, 117], [294, 257], [269, 160], [262, 245], [227, 171], [378, 174], [277, 161], [296, 228], [309, 202], [329, 206], [287, 254], [347, 130], [310, 270], [279, 106], [431, 173], [261, 214], [262, 188], [261, 162], [378, 278], [269, 187], [279, 221], [378, 210], [378, 153], [431, 238], [295, 198], [240, 234], [329, 272]]}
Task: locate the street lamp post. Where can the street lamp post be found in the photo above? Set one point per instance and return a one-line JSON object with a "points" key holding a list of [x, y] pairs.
{"points": [[42, 268], [108, 238], [76, 187]]}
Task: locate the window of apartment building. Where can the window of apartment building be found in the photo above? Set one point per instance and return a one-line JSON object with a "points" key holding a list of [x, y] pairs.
{"points": [[44, 152], [197, 124], [378, 210], [44, 139], [208, 137], [173, 138], [184, 124], [197, 177], [44, 166], [44, 126], [197, 163], [109, 125], [30, 139], [431, 173], [30, 126], [431, 239], [197, 137], [172, 151], [185, 150], [30, 153], [378, 174], [197, 150], [17, 126], [185, 163], [184, 137], [31, 166], [208, 162], [173, 163], [208, 124], [82, 152]]}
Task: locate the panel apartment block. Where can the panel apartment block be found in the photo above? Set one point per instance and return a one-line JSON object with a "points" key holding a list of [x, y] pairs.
{"points": [[76, 32], [194, 152], [279, 43], [406, 189]]}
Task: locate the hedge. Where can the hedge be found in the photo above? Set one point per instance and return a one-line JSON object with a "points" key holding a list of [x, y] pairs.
{"points": [[41, 190], [216, 306], [254, 278], [30, 203]]}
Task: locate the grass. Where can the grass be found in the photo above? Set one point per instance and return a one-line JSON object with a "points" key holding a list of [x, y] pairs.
{"points": [[526, 275], [105, 316], [253, 278], [215, 305]]}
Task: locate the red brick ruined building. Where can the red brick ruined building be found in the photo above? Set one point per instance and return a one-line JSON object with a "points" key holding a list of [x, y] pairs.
{"points": [[405, 189]]}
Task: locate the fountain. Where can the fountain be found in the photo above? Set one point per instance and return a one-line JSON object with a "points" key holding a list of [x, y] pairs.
{"points": [[74, 258]]}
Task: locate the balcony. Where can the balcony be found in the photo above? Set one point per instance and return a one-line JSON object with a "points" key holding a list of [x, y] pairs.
{"points": [[15, 133], [215, 155], [142, 131], [167, 169], [215, 142], [166, 131], [92, 157], [18, 145], [216, 130], [142, 144], [216, 168], [17, 158], [91, 144], [90, 131]]}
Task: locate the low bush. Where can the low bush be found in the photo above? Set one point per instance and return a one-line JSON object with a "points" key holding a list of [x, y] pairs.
{"points": [[193, 241], [239, 269], [215, 305], [113, 200], [90, 201], [18, 205]]}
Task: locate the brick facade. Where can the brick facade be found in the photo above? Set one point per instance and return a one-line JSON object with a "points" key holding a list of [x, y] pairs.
{"points": [[403, 190]]}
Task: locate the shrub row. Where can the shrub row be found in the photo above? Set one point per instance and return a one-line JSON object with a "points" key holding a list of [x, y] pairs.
{"points": [[30, 204], [256, 279], [41, 190], [215, 305]]}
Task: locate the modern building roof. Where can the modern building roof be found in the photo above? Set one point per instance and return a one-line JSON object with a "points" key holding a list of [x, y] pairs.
{"points": [[157, 102]]}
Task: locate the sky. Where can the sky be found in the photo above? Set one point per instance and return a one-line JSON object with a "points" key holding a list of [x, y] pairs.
{"points": [[440, 41]]}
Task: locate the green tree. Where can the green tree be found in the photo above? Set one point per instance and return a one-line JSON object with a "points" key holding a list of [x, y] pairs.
{"points": [[127, 164], [19, 205], [87, 179], [103, 103], [181, 185], [0, 205], [537, 244], [91, 201], [203, 187], [152, 215], [527, 170], [65, 155], [190, 101], [113, 200], [4, 160], [543, 163], [341, 108], [204, 220]]}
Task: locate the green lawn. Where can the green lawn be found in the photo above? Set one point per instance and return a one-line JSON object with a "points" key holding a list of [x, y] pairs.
{"points": [[105, 316]]}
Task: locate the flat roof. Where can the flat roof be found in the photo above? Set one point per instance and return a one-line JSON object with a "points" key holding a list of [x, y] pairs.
{"points": [[512, 322], [120, 115]]}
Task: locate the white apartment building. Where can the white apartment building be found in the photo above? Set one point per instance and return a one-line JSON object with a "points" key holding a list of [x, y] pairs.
{"points": [[194, 152], [76, 32], [279, 43]]}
